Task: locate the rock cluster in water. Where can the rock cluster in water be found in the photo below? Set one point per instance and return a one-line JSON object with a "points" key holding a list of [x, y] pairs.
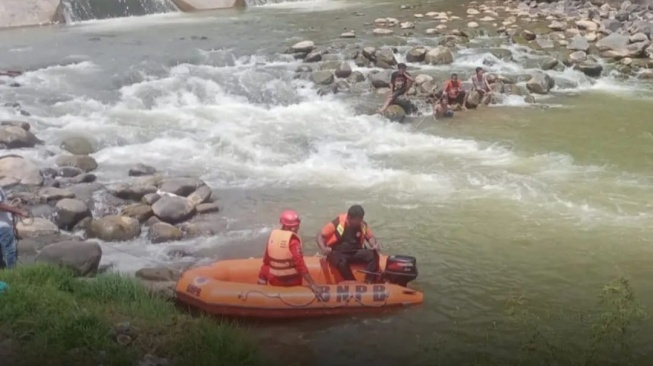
{"points": [[592, 37], [73, 210]]}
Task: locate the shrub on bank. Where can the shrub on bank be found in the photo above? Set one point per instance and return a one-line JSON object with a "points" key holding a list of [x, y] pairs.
{"points": [[48, 317]]}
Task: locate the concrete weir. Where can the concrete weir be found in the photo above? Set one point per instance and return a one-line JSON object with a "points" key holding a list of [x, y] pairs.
{"points": [[23, 13]]}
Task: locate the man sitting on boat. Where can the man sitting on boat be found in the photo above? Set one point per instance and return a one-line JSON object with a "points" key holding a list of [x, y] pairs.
{"points": [[343, 242], [283, 263]]}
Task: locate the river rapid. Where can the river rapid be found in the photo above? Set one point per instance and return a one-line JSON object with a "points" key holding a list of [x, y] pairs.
{"points": [[543, 202]]}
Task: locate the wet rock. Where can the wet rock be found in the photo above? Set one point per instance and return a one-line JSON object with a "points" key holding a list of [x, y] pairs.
{"points": [[83, 162], [163, 232], [407, 25], [13, 137], [158, 274], [422, 78], [472, 11], [638, 37], [528, 35], [201, 195], [127, 192], [77, 145], [382, 31], [313, 56], [343, 71], [557, 26], [381, 79], [69, 212], [610, 26], [356, 77], [587, 25], [544, 42], [202, 228], [472, 25], [81, 178], [579, 43], [138, 211], [205, 208], [385, 58], [577, 57], [150, 198], [83, 257], [39, 227], [173, 210], [439, 56], [140, 170], [646, 75], [330, 65], [395, 113], [24, 125], [114, 228], [591, 37], [303, 69], [69, 172], [540, 83], [152, 220], [362, 61], [369, 53], [32, 246], [549, 63], [613, 42], [349, 34], [54, 194], [303, 46], [590, 68], [16, 170], [322, 77], [416, 54]]}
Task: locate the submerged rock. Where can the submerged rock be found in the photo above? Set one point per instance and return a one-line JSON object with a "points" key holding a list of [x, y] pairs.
{"points": [[114, 228], [77, 145], [83, 162], [163, 232]]}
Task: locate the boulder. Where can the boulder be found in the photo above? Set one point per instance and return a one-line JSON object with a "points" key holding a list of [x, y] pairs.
{"points": [[382, 31], [138, 211], [439, 56], [150, 198], [613, 42], [140, 170], [590, 68], [557, 26], [528, 35], [587, 25], [114, 228], [385, 58], [578, 43], [423, 78], [83, 162], [69, 212], [77, 145], [201, 195], [313, 56], [540, 83], [162, 232], [32, 246], [416, 54], [134, 193], [181, 186], [39, 227], [54, 194], [202, 228], [356, 77], [82, 178], [380, 79], [303, 46], [16, 170], [545, 42], [369, 52], [343, 71], [82, 257], [577, 57], [395, 113], [69, 172], [173, 210], [638, 37], [205, 208], [549, 63], [13, 137]]}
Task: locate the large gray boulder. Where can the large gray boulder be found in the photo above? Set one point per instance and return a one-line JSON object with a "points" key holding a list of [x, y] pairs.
{"points": [[69, 212], [114, 228], [82, 257], [173, 209]]}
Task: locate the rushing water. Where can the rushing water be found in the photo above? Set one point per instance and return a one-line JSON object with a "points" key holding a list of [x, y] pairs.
{"points": [[546, 202]]}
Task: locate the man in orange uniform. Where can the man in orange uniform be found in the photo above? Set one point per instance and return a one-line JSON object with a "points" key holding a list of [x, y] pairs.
{"points": [[343, 242], [283, 263]]}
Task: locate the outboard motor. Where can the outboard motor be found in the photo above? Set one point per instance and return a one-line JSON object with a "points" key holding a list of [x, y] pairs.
{"points": [[400, 269]]}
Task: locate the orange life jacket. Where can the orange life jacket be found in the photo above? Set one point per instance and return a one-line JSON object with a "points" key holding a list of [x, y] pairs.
{"points": [[340, 223], [281, 261]]}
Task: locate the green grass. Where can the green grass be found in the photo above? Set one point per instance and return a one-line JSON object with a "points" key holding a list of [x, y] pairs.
{"points": [[54, 319]]}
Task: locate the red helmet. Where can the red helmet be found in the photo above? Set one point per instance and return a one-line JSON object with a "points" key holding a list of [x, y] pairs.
{"points": [[289, 218]]}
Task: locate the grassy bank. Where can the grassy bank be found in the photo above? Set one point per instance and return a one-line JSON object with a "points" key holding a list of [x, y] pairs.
{"points": [[54, 319]]}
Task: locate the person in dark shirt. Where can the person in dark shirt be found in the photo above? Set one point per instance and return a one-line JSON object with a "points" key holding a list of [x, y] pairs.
{"points": [[400, 83]]}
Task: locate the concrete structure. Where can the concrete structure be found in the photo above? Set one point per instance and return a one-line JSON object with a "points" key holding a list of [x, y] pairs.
{"points": [[199, 5], [21, 13]]}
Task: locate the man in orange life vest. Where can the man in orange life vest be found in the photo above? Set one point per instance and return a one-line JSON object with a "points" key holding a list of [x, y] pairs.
{"points": [[343, 242], [283, 263]]}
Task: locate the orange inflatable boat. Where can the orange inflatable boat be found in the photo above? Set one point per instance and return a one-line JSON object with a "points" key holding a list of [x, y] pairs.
{"points": [[229, 288]]}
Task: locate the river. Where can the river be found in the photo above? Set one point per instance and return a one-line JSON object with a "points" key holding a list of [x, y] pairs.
{"points": [[545, 202]]}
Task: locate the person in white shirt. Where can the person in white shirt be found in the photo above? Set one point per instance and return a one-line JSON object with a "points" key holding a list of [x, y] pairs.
{"points": [[480, 84]]}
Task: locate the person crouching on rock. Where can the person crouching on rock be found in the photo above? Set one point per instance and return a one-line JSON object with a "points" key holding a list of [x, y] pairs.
{"points": [[283, 263], [441, 108], [481, 85], [454, 91], [400, 83], [8, 258]]}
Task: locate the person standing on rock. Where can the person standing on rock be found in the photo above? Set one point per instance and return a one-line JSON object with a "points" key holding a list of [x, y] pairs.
{"points": [[8, 258], [454, 91], [481, 85], [283, 263], [400, 83]]}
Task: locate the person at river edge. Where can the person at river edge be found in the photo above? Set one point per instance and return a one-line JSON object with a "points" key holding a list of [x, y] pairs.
{"points": [[454, 91], [343, 239], [441, 108], [283, 262], [8, 257], [481, 85], [400, 83]]}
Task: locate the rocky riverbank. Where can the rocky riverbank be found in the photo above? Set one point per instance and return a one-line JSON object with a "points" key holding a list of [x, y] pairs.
{"points": [[73, 210], [596, 38]]}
